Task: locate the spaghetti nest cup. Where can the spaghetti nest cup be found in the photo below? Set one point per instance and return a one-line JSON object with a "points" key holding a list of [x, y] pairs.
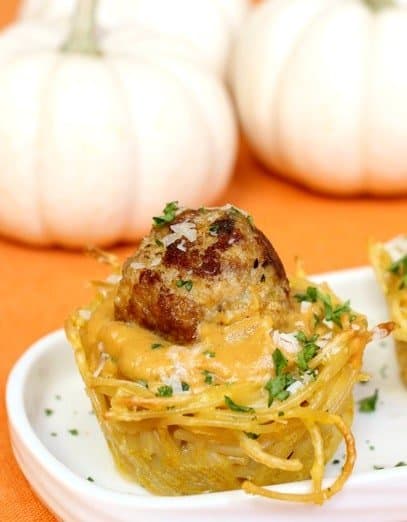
{"points": [[389, 261], [208, 370]]}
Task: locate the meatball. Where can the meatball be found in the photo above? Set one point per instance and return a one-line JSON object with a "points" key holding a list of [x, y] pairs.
{"points": [[206, 265]]}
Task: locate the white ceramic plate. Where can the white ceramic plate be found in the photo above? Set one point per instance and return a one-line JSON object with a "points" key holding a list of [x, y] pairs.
{"points": [[61, 451]]}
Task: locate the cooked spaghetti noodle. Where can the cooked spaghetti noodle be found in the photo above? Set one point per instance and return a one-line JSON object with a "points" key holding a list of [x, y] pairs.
{"points": [[390, 263], [247, 405]]}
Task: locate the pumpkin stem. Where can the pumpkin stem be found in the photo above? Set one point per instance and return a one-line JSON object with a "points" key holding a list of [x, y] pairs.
{"points": [[377, 5], [82, 37]]}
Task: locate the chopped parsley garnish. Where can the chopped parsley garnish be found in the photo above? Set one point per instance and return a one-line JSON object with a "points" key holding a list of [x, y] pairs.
{"points": [[185, 386], [368, 404], [155, 346], [168, 214], [399, 268], [54, 434], [164, 391], [308, 351], [48, 412], [251, 435], [280, 362], [90, 479], [277, 386], [332, 313], [188, 284], [281, 414], [208, 377], [310, 295], [209, 354], [159, 243], [237, 407], [214, 229], [73, 432], [336, 461], [398, 465]]}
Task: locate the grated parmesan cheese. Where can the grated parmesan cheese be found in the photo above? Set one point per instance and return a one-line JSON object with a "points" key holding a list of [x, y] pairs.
{"points": [[305, 380], [175, 384], [179, 373], [295, 386], [305, 305], [286, 341], [323, 340], [181, 246], [397, 247], [169, 239], [185, 229], [180, 230]]}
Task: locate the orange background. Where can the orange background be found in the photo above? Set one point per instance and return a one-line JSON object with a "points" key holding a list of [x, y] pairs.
{"points": [[39, 287]]}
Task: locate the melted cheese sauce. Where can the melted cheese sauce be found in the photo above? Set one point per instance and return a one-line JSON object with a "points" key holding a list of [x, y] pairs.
{"points": [[240, 351]]}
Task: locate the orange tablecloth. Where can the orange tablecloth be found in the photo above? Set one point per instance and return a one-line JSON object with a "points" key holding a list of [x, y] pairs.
{"points": [[38, 288]]}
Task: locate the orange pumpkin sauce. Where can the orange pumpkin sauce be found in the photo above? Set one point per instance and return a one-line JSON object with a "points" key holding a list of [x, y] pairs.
{"points": [[236, 352]]}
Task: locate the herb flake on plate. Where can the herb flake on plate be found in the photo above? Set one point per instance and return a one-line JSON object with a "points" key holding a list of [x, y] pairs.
{"points": [[368, 404]]}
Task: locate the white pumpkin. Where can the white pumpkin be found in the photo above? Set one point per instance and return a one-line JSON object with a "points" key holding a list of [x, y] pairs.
{"points": [[92, 145], [321, 88], [209, 26]]}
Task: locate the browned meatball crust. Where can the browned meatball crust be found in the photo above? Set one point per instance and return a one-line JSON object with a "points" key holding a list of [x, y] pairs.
{"points": [[209, 265]]}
